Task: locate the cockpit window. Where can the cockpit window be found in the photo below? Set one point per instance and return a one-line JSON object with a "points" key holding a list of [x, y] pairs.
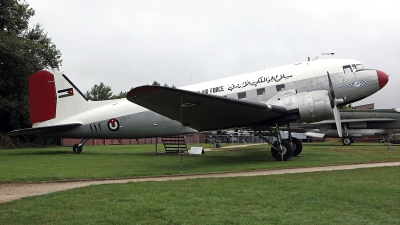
{"points": [[347, 69], [359, 66]]}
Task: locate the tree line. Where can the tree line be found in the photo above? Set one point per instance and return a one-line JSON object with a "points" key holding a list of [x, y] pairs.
{"points": [[103, 92], [23, 51]]}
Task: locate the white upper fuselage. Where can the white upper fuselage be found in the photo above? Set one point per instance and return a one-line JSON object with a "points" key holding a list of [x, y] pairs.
{"points": [[265, 78]]}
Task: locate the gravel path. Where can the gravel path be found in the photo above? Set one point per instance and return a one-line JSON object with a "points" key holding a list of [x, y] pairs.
{"points": [[13, 191]]}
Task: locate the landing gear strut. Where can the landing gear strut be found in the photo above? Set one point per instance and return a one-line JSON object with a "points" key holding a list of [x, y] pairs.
{"points": [[77, 148], [296, 143], [346, 140]]}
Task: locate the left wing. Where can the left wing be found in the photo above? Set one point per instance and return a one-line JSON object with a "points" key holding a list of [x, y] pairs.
{"points": [[203, 111]]}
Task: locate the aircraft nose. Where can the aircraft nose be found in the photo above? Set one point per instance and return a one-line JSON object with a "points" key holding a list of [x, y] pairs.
{"points": [[382, 78]]}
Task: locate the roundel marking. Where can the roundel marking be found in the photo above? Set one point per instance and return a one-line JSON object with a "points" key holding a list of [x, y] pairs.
{"points": [[113, 124]]}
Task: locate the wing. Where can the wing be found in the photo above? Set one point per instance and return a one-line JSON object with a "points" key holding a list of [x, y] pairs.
{"points": [[44, 130], [203, 111]]}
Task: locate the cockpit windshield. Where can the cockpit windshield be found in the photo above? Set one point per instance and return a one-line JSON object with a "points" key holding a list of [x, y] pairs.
{"points": [[347, 69], [358, 66]]}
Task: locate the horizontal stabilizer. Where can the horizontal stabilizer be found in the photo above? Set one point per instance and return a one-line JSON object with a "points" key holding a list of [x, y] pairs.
{"points": [[314, 135], [44, 130]]}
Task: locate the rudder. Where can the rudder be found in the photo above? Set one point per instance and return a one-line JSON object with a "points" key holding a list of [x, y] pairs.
{"points": [[42, 96], [53, 97]]}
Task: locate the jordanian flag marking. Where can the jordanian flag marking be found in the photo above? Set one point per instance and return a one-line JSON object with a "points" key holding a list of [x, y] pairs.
{"points": [[65, 92]]}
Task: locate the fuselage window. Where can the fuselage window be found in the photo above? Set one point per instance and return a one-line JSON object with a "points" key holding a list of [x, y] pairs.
{"points": [[347, 69], [260, 91], [280, 87], [241, 95]]}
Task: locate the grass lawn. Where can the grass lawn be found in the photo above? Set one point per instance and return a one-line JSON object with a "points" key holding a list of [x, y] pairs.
{"points": [[361, 196], [123, 161]]}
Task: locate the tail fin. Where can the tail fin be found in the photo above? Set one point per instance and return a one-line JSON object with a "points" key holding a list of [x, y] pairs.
{"points": [[53, 97]]}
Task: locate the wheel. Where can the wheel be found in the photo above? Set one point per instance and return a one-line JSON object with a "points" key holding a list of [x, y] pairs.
{"points": [[287, 151], [77, 149], [346, 141], [297, 146]]}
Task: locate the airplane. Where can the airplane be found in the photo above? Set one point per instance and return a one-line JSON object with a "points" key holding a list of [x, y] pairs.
{"points": [[356, 123], [308, 91]]}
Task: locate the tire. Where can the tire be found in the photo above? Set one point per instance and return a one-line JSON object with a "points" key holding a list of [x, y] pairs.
{"points": [[297, 146], [77, 149], [287, 151], [346, 141]]}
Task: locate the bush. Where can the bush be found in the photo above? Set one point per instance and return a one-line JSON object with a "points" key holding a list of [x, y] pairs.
{"points": [[7, 142]]}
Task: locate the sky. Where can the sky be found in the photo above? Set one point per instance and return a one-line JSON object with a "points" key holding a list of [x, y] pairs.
{"points": [[130, 43]]}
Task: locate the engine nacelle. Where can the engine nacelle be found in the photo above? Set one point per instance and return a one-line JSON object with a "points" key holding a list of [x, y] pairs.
{"points": [[314, 106]]}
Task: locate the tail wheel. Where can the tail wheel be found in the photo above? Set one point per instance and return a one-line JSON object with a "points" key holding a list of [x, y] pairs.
{"points": [[297, 146], [283, 153], [77, 149], [346, 141]]}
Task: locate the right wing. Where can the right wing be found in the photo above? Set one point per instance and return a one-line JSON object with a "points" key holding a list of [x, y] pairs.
{"points": [[44, 130], [203, 111]]}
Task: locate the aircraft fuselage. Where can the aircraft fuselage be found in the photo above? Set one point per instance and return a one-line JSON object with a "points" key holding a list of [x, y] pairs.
{"points": [[122, 119]]}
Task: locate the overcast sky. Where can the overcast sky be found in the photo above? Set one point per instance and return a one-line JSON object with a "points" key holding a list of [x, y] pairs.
{"points": [[125, 44]]}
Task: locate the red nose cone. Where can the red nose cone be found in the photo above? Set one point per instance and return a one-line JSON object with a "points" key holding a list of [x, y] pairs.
{"points": [[382, 78]]}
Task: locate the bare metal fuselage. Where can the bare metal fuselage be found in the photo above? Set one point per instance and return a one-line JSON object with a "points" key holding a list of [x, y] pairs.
{"points": [[97, 119]]}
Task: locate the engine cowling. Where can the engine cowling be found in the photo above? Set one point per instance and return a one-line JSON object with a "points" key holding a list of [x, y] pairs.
{"points": [[314, 106]]}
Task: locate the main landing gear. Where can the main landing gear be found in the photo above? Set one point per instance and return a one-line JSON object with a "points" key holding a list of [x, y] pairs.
{"points": [[297, 146], [282, 149], [77, 148], [347, 141]]}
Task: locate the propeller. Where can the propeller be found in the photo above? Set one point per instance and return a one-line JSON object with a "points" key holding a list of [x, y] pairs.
{"points": [[334, 103]]}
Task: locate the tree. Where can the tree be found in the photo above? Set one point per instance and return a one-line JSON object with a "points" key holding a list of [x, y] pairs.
{"points": [[14, 16], [120, 95], [23, 51], [155, 83], [99, 92]]}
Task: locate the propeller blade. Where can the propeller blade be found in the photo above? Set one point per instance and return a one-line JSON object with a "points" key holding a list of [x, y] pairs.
{"points": [[331, 91], [334, 102], [338, 121]]}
